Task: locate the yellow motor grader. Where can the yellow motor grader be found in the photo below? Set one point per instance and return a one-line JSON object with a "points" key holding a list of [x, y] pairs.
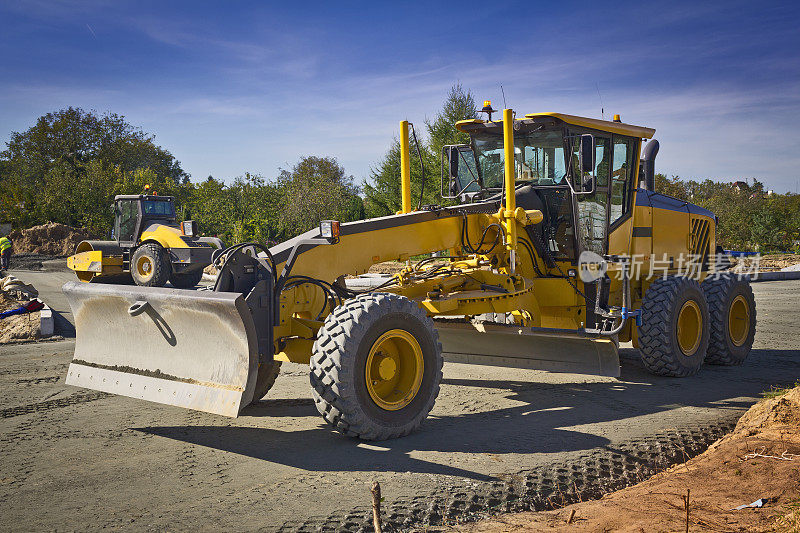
{"points": [[557, 249]]}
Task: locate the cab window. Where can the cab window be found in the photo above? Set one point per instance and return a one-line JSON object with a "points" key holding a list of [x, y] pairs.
{"points": [[621, 175], [127, 212], [158, 207], [593, 208]]}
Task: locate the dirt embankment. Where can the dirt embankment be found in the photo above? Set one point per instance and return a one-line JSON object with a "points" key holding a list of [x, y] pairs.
{"points": [[760, 460], [48, 239], [766, 263]]}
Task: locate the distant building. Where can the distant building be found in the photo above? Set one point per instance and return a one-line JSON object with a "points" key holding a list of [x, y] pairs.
{"points": [[741, 186]]}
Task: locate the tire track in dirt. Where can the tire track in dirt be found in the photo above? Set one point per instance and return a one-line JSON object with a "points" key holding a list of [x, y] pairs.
{"points": [[588, 477], [59, 369], [188, 461], [38, 381], [47, 405], [14, 472]]}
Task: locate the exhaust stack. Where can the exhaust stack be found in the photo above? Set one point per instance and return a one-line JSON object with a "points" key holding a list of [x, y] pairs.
{"points": [[648, 165]]}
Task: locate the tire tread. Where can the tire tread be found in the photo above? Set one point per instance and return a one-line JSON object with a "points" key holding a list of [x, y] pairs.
{"points": [[659, 354], [331, 382], [716, 291]]}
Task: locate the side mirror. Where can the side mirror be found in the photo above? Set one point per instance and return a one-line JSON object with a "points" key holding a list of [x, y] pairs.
{"points": [[452, 159], [461, 175], [586, 155]]}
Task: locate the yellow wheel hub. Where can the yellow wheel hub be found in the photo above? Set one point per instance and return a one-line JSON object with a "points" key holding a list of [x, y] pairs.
{"points": [[739, 320], [394, 369], [690, 328], [144, 267]]}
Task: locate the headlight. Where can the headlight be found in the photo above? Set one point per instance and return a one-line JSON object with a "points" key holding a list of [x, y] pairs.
{"points": [[189, 228], [329, 229]]}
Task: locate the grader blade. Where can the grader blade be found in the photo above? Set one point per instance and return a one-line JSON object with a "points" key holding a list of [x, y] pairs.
{"points": [[193, 349], [534, 348]]}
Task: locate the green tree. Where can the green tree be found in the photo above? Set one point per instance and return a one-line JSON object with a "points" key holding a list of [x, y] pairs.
{"points": [[459, 105], [382, 190], [55, 158], [315, 189]]}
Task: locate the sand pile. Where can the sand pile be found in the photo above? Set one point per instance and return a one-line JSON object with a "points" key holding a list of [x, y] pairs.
{"points": [[777, 415], [48, 239], [766, 263]]}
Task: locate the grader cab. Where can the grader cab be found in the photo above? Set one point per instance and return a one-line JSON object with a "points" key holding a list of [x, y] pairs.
{"points": [[557, 249]]}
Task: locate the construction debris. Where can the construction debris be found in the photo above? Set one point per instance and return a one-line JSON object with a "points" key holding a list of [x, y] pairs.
{"points": [[11, 286], [16, 325], [18, 328], [758, 503]]}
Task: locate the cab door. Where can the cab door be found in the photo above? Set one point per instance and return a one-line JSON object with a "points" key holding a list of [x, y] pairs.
{"points": [[623, 155], [127, 217], [592, 209]]}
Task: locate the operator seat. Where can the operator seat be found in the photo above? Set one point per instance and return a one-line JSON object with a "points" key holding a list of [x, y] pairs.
{"points": [[528, 199]]}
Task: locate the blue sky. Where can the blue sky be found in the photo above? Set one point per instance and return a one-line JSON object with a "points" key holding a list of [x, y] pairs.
{"points": [[230, 87]]}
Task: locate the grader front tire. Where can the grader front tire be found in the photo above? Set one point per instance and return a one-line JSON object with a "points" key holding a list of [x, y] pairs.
{"points": [[674, 334], [267, 374], [376, 367]]}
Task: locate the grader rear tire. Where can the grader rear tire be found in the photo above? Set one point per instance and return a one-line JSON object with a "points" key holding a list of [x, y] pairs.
{"points": [[733, 319], [376, 367], [674, 334]]}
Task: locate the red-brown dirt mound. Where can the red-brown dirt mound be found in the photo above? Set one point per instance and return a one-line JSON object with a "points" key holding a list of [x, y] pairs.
{"points": [[48, 239]]}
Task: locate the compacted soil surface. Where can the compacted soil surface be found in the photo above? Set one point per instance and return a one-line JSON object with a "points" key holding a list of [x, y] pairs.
{"points": [[498, 440]]}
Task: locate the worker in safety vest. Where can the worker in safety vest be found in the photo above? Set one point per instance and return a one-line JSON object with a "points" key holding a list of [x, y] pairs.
{"points": [[5, 252]]}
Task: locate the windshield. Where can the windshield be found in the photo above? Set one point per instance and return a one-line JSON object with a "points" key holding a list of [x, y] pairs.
{"points": [[539, 158], [158, 207]]}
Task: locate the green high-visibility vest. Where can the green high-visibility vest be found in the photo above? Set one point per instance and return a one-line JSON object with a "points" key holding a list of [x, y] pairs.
{"points": [[5, 244]]}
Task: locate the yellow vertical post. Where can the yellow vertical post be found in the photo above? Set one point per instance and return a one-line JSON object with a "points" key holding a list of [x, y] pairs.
{"points": [[405, 167], [510, 174]]}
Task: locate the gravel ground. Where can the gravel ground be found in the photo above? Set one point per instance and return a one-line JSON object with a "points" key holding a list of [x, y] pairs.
{"points": [[497, 438]]}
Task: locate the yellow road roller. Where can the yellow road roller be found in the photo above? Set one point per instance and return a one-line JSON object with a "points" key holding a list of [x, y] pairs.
{"points": [[149, 248]]}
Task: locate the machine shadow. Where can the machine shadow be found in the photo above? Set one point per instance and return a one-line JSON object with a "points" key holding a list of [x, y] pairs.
{"points": [[541, 419], [62, 326]]}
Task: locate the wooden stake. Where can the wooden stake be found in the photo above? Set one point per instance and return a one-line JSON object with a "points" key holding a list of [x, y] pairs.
{"points": [[571, 517], [376, 506], [686, 502]]}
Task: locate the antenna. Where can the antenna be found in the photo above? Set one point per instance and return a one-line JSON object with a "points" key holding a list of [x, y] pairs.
{"points": [[602, 111], [504, 96]]}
